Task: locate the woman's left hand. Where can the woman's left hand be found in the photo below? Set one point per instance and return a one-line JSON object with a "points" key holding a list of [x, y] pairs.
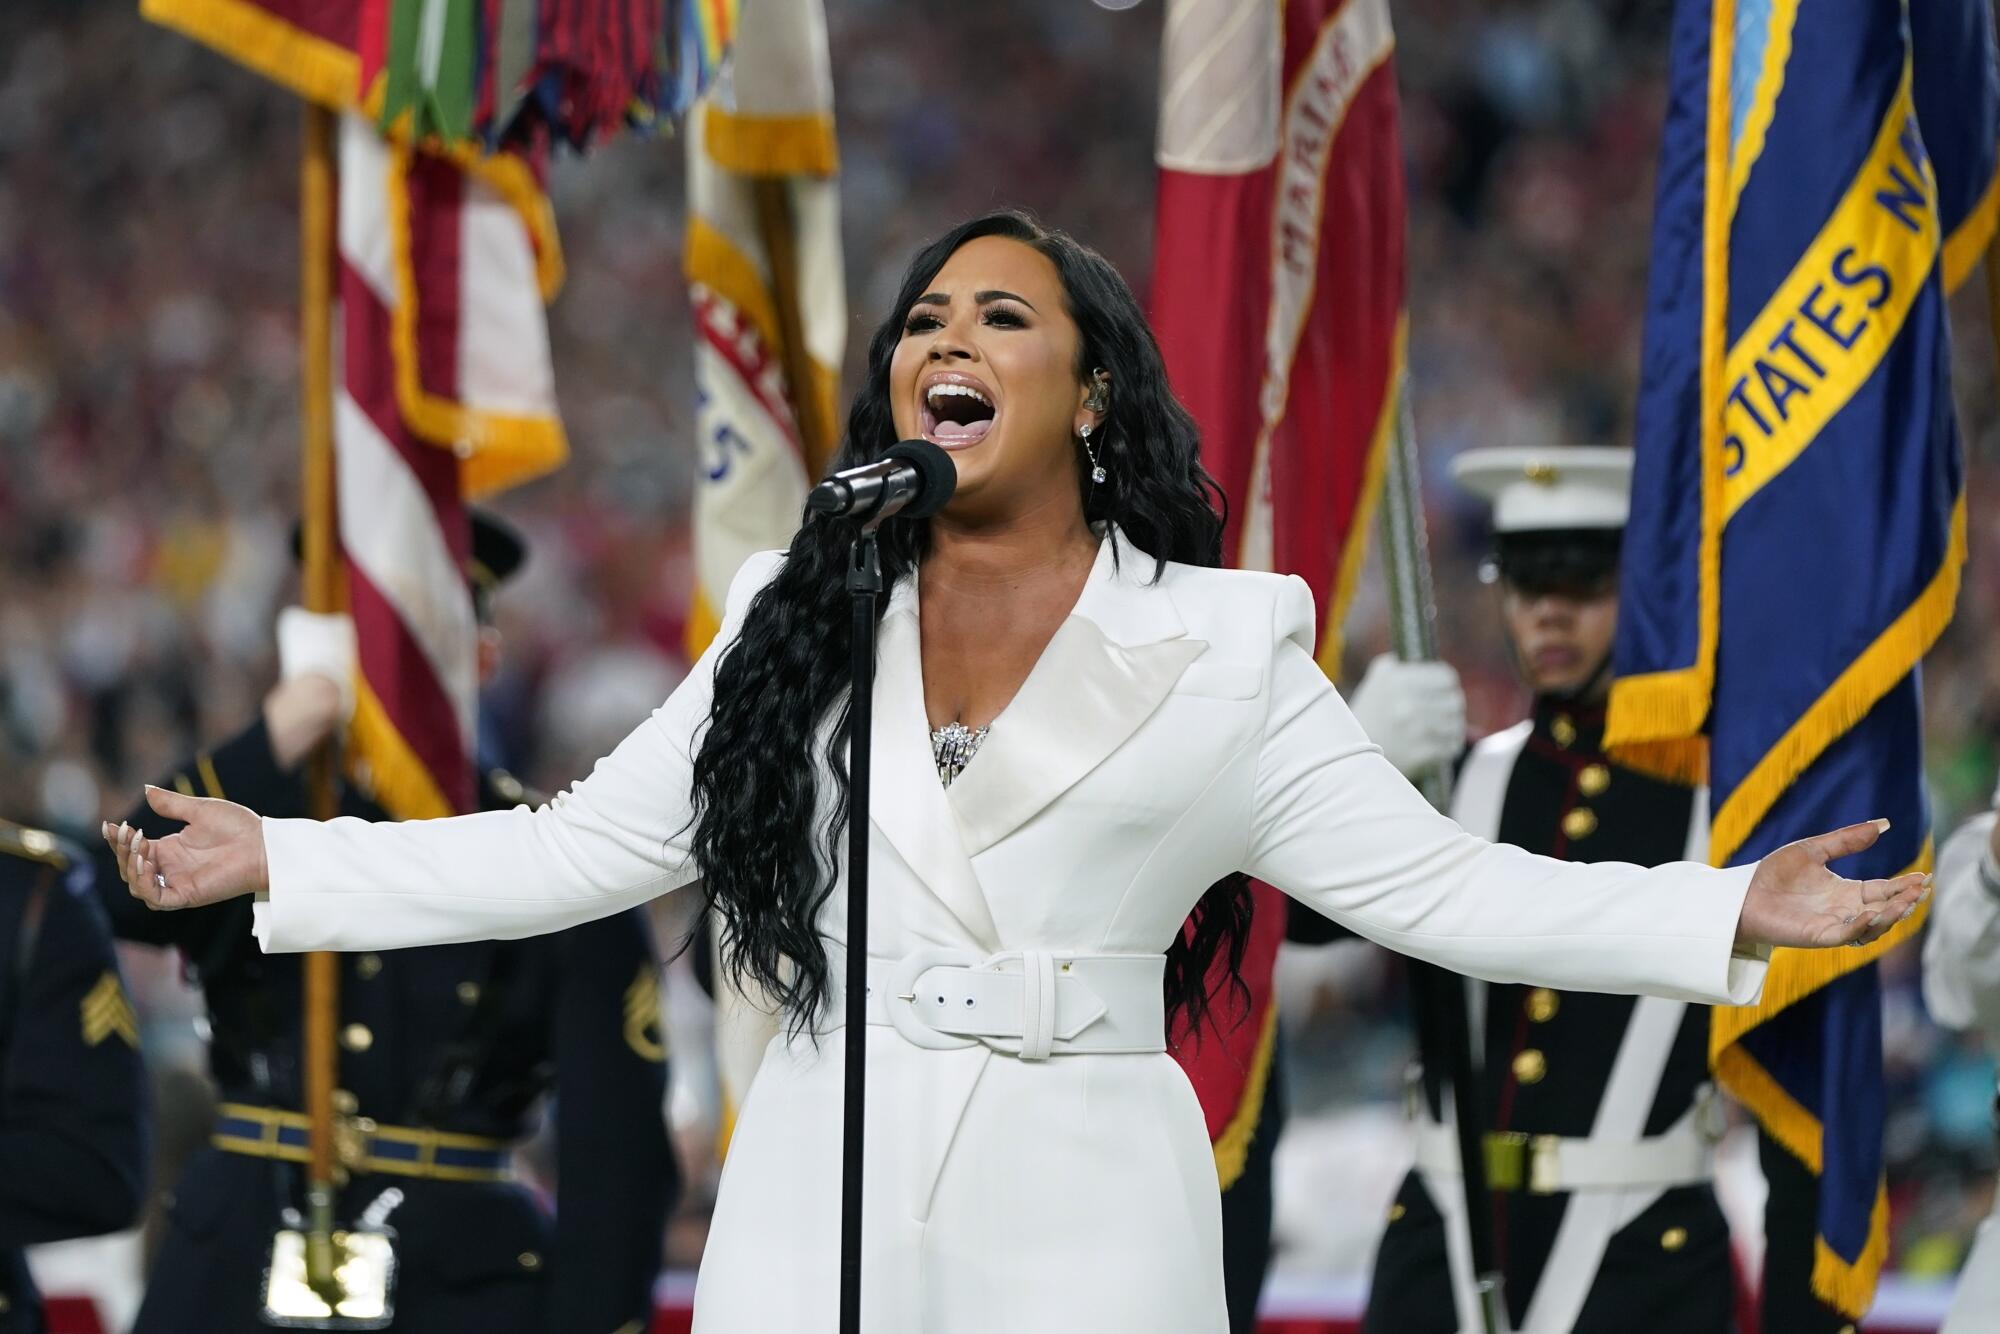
{"points": [[1794, 900]]}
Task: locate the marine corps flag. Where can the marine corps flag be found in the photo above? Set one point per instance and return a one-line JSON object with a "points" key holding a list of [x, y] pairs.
{"points": [[1798, 520], [1277, 295]]}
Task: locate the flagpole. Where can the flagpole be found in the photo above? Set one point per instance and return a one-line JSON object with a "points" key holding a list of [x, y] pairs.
{"points": [[1406, 563], [320, 593]]}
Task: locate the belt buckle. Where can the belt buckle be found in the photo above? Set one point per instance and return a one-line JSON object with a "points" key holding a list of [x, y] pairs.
{"points": [[352, 1136], [1506, 1159], [1544, 1165], [901, 1002]]}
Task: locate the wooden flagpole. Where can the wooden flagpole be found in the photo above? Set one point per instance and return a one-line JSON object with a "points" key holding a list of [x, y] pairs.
{"points": [[320, 576]]}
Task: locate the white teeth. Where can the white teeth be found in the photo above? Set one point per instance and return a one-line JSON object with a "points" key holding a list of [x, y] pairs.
{"points": [[938, 391]]}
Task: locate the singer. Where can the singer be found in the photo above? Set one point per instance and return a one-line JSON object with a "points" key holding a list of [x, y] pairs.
{"points": [[1085, 736]]}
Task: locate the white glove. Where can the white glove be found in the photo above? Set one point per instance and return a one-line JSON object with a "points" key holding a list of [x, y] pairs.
{"points": [[1415, 711], [314, 643]]}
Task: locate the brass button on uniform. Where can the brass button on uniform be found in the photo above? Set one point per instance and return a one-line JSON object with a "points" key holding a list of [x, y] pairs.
{"points": [[1395, 1212], [530, 1260], [345, 1103], [468, 993], [5, 1305], [367, 966], [1542, 1005], [1593, 780], [1580, 823], [357, 1037], [1673, 1238], [1530, 1066], [1563, 730]]}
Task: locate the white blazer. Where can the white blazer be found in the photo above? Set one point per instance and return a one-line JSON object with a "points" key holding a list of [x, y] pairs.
{"points": [[1171, 733]]}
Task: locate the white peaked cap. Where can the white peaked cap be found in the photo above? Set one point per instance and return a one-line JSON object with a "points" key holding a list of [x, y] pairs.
{"points": [[1563, 486]]}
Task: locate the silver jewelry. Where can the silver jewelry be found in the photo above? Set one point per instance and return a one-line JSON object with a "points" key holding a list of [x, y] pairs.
{"points": [[1096, 468], [953, 746], [1099, 397], [160, 879]]}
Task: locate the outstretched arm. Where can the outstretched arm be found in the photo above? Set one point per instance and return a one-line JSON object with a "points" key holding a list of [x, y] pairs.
{"points": [[1339, 829], [614, 840]]}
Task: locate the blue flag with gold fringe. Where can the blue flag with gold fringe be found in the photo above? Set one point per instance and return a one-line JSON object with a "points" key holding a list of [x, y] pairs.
{"points": [[1798, 520]]}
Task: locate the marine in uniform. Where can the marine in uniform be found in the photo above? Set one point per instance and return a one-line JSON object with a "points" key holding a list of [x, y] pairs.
{"points": [[445, 1055], [1599, 1117], [73, 1138]]}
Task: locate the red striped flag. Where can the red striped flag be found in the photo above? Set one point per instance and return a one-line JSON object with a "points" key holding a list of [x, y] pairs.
{"points": [[1277, 295], [447, 390]]}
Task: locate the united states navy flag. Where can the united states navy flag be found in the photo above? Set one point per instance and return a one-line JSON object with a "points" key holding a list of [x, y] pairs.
{"points": [[1798, 519]]}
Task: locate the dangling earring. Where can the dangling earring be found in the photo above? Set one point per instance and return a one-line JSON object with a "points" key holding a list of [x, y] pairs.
{"points": [[1096, 468]]}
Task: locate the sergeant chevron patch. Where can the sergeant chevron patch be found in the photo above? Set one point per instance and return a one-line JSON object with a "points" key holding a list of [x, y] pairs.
{"points": [[106, 1013]]}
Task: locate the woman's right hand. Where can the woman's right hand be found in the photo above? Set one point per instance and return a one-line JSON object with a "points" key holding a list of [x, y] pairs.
{"points": [[219, 855]]}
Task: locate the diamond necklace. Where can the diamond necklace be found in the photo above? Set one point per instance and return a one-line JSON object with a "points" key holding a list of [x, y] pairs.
{"points": [[953, 747]]}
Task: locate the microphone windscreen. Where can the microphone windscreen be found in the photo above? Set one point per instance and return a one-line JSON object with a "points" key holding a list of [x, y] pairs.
{"points": [[937, 476]]}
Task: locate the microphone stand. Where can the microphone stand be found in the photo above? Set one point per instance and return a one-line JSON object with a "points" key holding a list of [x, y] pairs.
{"points": [[864, 586]]}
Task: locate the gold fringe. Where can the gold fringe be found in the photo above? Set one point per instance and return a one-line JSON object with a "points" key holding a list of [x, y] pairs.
{"points": [[497, 450], [725, 1129], [1851, 1287], [1354, 551], [1853, 693], [1232, 1146], [395, 777], [715, 261], [312, 67], [702, 625], [770, 145], [1968, 241], [1683, 761]]}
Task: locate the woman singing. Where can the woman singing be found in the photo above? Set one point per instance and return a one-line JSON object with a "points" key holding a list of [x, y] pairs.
{"points": [[1086, 735]]}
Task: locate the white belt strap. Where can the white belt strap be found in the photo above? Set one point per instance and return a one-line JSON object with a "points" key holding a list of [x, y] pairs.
{"points": [[1029, 1003], [1680, 1156]]}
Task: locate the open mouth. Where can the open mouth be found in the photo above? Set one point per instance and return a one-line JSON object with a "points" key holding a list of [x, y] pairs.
{"points": [[957, 412]]}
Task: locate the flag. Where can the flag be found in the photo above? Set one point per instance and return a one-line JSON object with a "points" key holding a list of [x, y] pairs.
{"points": [[447, 257], [1278, 298], [1798, 520], [764, 271], [766, 287], [446, 391]]}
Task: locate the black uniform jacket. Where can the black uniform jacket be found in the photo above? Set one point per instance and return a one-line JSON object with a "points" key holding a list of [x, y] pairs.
{"points": [[459, 1038], [1546, 1056], [72, 1090]]}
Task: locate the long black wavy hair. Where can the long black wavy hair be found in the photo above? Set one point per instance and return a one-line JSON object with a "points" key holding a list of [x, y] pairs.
{"points": [[767, 869]]}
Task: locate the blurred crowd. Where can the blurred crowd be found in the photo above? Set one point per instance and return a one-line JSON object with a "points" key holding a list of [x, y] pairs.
{"points": [[149, 436]]}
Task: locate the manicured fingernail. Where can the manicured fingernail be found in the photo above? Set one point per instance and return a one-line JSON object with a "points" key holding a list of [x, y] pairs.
{"points": [[1907, 911], [1881, 826], [1875, 920]]}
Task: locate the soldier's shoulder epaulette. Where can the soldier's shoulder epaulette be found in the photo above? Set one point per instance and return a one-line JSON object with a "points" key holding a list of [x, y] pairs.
{"points": [[504, 791], [36, 845]]}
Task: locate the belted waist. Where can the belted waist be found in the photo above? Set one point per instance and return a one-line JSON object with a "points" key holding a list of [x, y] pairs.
{"points": [[1033, 1004], [363, 1145], [1681, 1155]]}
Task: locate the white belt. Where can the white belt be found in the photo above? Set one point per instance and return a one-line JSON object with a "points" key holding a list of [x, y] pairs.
{"points": [[1028, 1003], [1682, 1155]]}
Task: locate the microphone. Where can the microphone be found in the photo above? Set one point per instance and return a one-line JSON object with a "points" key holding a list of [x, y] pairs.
{"points": [[913, 479]]}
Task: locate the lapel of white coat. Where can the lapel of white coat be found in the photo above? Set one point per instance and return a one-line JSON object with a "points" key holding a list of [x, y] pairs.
{"points": [[1108, 667], [908, 802]]}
